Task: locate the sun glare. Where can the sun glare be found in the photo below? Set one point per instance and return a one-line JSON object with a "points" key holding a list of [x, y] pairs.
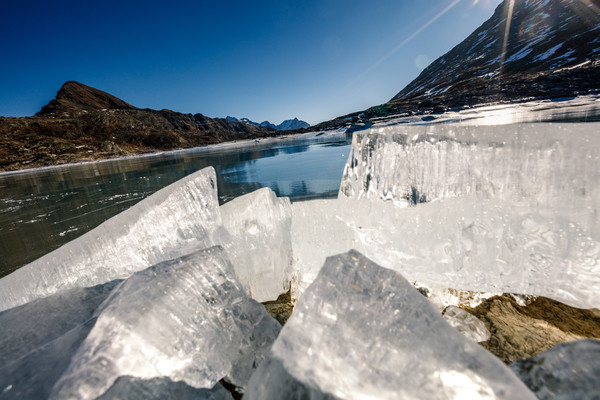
{"points": [[511, 5]]}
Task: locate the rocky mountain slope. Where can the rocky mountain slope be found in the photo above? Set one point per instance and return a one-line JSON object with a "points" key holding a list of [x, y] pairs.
{"points": [[528, 49], [74, 97], [84, 123], [287, 125]]}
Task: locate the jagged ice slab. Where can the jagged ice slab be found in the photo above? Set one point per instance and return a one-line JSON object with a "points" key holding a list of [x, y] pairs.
{"points": [[187, 319], [362, 331]]}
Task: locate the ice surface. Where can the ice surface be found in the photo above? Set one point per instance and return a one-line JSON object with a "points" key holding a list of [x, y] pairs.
{"points": [[261, 252], [466, 324], [363, 332], [130, 388], [38, 339], [187, 319], [168, 224], [482, 244], [317, 232], [442, 296], [533, 164], [568, 371], [500, 209]]}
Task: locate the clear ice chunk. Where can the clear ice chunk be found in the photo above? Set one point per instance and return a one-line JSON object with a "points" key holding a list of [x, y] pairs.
{"points": [[500, 208], [187, 319], [466, 324], [362, 331], [170, 223], [568, 371], [38, 339], [485, 245], [544, 164], [127, 387], [261, 251], [317, 233]]}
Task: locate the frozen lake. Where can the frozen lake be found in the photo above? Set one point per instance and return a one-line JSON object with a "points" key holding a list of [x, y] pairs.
{"points": [[42, 209]]}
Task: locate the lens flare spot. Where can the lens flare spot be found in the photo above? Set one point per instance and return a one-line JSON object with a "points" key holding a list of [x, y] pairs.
{"points": [[422, 61]]}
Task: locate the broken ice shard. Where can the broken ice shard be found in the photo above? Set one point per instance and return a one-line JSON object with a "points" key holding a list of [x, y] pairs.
{"points": [[535, 164], [568, 371], [38, 339], [317, 232], [261, 250], [362, 331], [506, 208], [172, 222], [187, 319], [466, 324]]}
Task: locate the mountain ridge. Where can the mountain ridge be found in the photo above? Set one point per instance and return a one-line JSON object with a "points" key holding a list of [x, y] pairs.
{"points": [[542, 36], [74, 96], [287, 125], [84, 123]]}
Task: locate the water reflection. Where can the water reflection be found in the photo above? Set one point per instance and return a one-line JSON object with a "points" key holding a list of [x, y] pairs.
{"points": [[42, 209]]}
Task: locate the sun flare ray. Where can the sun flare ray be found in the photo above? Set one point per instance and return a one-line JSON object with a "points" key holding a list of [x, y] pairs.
{"points": [[509, 14]]}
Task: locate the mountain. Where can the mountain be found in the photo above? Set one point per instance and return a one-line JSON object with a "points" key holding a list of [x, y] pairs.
{"points": [[74, 96], [84, 123], [292, 124], [552, 49], [528, 49], [287, 125], [264, 124]]}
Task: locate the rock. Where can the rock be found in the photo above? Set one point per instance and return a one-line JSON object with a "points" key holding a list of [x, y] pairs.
{"points": [[568, 371], [524, 331], [280, 309]]}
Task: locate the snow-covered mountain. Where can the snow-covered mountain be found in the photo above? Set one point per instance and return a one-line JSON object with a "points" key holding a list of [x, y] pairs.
{"points": [[287, 125], [290, 124], [528, 48]]}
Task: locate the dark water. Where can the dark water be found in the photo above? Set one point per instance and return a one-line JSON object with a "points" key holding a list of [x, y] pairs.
{"points": [[43, 209]]}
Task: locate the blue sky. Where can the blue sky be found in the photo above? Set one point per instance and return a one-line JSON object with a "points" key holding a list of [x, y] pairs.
{"points": [[264, 60]]}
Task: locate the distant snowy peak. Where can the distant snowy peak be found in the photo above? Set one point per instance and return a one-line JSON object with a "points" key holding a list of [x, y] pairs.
{"points": [[541, 36], [290, 124], [287, 125]]}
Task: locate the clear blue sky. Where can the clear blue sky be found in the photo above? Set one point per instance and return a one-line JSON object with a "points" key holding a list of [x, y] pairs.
{"points": [[264, 60]]}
